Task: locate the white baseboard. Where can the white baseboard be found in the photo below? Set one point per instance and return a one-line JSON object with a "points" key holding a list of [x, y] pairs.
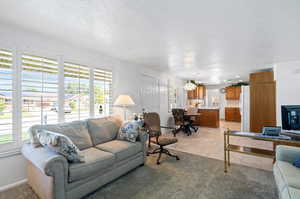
{"points": [[9, 186]]}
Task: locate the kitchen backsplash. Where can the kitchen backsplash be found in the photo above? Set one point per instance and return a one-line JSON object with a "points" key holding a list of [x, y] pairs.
{"points": [[232, 103], [196, 102]]}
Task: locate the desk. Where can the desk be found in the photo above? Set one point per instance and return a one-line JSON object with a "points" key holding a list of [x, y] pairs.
{"points": [[249, 150]]}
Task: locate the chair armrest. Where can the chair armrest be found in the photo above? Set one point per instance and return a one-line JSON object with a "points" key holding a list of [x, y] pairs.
{"points": [[287, 153], [47, 161]]}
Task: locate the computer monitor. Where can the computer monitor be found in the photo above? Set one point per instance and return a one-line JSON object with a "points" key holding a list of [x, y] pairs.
{"points": [[290, 116]]}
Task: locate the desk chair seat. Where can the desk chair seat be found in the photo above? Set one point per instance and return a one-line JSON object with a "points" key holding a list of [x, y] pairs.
{"points": [[152, 125], [163, 140]]}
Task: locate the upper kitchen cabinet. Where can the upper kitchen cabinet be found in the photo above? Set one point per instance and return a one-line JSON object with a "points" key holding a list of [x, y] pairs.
{"points": [[233, 92], [197, 93], [238, 90]]}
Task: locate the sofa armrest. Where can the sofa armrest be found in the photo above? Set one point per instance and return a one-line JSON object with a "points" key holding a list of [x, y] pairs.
{"points": [[287, 153], [44, 159], [50, 164]]}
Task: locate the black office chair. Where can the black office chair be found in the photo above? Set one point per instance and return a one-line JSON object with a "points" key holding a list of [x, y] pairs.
{"points": [[152, 126], [191, 119], [183, 123]]}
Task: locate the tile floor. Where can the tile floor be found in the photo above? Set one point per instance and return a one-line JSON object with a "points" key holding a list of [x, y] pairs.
{"points": [[209, 142]]}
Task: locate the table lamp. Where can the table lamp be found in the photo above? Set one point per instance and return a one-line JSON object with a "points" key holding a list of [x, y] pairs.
{"points": [[124, 101]]}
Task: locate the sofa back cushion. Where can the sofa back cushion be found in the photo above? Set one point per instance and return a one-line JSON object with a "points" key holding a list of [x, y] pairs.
{"points": [[103, 129], [77, 131]]}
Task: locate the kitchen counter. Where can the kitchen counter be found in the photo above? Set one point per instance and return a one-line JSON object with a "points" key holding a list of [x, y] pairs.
{"points": [[209, 108], [209, 117]]}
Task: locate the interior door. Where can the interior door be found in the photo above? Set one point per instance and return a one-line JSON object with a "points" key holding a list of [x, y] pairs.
{"points": [[149, 93]]}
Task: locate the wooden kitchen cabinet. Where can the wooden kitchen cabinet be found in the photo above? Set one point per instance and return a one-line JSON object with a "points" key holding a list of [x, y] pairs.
{"points": [[237, 91], [197, 93], [233, 92], [230, 94], [232, 114], [190, 94]]}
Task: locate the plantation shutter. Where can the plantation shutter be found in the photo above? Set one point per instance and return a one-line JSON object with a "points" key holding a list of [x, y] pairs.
{"points": [[103, 92], [6, 93], [77, 91], [39, 91]]}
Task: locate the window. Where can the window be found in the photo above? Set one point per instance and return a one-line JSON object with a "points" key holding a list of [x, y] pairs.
{"points": [[6, 91], [102, 92], [30, 90], [39, 91], [77, 92]]}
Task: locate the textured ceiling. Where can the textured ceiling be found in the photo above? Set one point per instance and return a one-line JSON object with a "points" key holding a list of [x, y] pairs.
{"points": [[206, 40]]}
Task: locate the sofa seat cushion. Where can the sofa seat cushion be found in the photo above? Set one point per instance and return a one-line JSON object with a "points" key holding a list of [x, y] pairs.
{"points": [[103, 129], [286, 175], [121, 149], [95, 161]]}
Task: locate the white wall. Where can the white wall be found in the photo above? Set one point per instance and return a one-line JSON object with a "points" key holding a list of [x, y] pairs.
{"points": [[287, 76], [215, 91], [125, 79]]}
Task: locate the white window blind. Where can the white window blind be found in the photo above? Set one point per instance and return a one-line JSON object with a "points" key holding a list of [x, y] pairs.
{"points": [[77, 92], [39, 91], [6, 91], [102, 92]]}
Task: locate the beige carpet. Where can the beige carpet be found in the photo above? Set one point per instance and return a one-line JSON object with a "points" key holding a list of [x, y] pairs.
{"points": [[192, 177]]}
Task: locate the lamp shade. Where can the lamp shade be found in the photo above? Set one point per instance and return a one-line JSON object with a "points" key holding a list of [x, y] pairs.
{"points": [[124, 100]]}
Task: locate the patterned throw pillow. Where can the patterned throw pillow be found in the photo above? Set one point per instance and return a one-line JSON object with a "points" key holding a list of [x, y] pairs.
{"points": [[130, 130], [61, 144]]}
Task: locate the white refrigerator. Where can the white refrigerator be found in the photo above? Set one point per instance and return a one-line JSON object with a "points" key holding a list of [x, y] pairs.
{"points": [[245, 108]]}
